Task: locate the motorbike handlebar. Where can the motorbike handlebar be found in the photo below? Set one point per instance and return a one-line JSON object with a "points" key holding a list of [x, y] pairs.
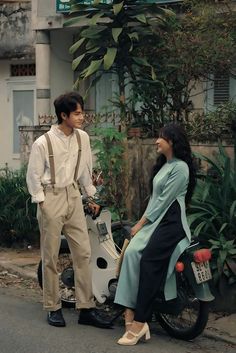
{"points": [[88, 210]]}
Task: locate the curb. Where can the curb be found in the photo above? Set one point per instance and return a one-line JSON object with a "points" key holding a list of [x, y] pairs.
{"points": [[27, 274], [219, 337]]}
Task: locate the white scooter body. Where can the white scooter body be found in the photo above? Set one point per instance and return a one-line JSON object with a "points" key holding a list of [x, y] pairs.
{"points": [[104, 259], [104, 256]]}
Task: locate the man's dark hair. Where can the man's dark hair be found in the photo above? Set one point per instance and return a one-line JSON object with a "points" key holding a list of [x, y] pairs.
{"points": [[67, 103]]}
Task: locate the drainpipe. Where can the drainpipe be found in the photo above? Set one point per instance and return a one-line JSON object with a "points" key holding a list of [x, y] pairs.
{"points": [[43, 92]]}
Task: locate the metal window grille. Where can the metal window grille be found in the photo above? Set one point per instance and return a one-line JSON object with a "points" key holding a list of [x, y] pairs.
{"points": [[23, 70], [221, 89]]}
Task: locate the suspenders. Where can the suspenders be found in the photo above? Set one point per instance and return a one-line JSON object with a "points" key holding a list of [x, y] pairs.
{"points": [[51, 157], [79, 154]]}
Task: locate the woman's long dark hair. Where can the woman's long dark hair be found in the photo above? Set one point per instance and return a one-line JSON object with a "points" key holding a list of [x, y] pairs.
{"points": [[181, 150]]}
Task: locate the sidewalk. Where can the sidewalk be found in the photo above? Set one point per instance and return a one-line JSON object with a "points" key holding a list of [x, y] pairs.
{"points": [[25, 263], [22, 262]]}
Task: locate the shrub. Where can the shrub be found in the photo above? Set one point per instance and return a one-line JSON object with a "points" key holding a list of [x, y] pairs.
{"points": [[18, 224], [109, 150], [213, 126], [213, 215]]}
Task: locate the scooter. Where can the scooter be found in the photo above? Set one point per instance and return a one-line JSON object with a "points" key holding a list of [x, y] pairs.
{"points": [[106, 239], [184, 317]]}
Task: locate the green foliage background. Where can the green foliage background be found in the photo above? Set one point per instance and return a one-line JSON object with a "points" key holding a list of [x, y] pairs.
{"points": [[18, 224], [109, 150], [213, 214]]}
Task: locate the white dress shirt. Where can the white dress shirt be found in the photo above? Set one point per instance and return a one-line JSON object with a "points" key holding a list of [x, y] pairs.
{"points": [[65, 151]]}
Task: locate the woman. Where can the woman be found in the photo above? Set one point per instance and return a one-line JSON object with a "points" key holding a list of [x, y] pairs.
{"points": [[160, 234]]}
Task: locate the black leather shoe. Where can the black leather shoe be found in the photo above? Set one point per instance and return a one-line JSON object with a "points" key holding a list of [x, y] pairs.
{"points": [[55, 318], [93, 317]]}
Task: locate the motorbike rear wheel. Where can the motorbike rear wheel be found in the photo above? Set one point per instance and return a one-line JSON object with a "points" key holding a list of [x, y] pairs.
{"points": [[120, 231], [192, 320]]}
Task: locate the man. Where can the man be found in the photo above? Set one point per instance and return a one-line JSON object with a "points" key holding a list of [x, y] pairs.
{"points": [[57, 161]]}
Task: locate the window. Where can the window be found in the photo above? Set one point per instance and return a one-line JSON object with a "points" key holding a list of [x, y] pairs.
{"points": [[22, 103], [221, 88], [23, 113], [23, 70]]}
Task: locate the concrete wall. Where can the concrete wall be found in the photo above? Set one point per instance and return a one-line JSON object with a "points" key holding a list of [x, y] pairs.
{"points": [[6, 123], [198, 96], [44, 15], [142, 156], [16, 37], [61, 74]]}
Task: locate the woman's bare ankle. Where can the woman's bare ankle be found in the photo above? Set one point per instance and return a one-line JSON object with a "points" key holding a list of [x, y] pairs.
{"points": [[128, 316]]}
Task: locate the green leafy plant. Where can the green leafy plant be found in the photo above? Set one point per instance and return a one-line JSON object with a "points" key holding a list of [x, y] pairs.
{"points": [[108, 36], [109, 148], [224, 256], [213, 213], [18, 224]]}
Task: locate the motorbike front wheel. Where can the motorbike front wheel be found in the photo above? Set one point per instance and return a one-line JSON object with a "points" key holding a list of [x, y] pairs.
{"points": [[193, 318], [120, 230], [66, 277]]}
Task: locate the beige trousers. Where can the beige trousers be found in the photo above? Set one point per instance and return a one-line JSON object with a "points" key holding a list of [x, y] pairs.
{"points": [[62, 211]]}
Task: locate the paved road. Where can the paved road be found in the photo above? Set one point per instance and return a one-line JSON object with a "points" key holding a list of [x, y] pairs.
{"points": [[23, 329]]}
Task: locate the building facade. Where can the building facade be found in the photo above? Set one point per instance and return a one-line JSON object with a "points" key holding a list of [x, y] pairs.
{"points": [[17, 77], [35, 67]]}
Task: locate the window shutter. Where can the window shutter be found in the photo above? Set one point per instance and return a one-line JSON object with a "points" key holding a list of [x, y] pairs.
{"points": [[221, 88]]}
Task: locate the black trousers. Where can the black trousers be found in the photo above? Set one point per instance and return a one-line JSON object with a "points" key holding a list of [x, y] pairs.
{"points": [[155, 260]]}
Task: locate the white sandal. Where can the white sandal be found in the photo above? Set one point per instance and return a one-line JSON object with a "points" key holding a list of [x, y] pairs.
{"points": [[125, 341]]}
